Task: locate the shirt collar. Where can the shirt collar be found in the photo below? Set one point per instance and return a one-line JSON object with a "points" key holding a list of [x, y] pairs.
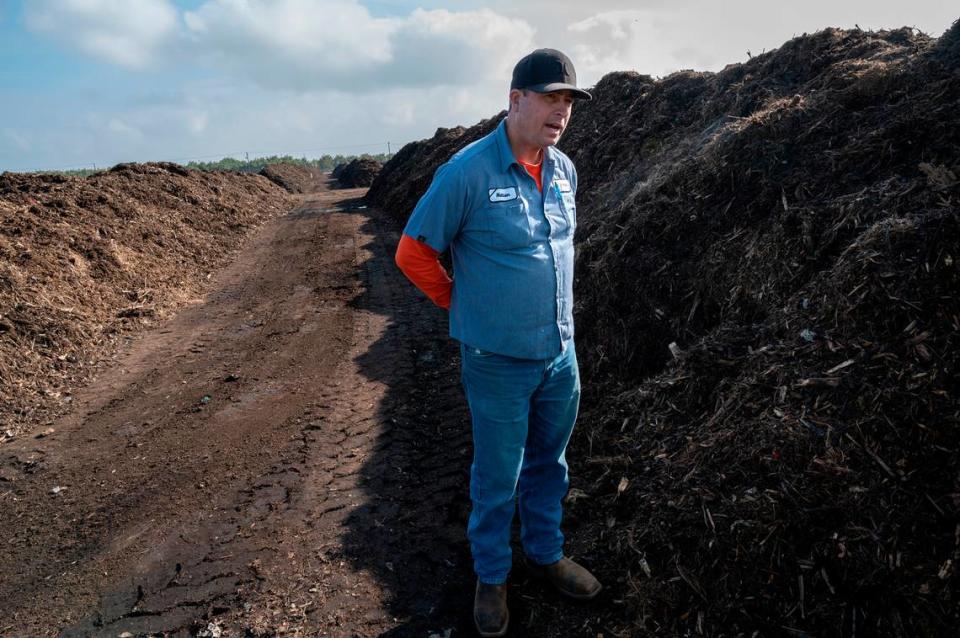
{"points": [[506, 153]]}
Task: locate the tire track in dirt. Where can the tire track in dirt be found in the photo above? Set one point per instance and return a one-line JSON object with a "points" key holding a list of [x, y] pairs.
{"points": [[220, 471], [382, 550], [289, 456]]}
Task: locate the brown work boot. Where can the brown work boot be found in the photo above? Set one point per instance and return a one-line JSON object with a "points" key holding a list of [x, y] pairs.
{"points": [[569, 578], [490, 613]]}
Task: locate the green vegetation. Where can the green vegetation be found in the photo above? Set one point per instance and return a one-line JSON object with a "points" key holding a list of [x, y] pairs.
{"points": [[78, 172], [324, 162]]}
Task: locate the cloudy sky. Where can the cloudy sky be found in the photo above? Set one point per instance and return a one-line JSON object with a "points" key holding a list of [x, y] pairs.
{"points": [[86, 82]]}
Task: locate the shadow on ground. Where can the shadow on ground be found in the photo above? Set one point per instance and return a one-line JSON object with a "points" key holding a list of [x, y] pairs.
{"points": [[411, 532]]}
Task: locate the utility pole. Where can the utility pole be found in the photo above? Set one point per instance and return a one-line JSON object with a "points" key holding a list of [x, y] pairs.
{"points": [[388, 150], [246, 156]]}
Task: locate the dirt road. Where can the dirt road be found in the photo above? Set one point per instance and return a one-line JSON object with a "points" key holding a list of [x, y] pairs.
{"points": [[287, 456], [264, 461]]}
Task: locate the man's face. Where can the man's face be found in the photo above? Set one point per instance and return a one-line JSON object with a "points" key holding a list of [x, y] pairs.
{"points": [[540, 118]]}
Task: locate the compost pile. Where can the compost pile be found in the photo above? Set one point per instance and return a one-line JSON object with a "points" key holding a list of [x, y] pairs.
{"points": [[406, 176], [358, 173], [84, 261], [767, 319], [295, 178]]}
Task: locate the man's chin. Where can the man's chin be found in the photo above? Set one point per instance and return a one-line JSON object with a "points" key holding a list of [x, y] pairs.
{"points": [[547, 140]]}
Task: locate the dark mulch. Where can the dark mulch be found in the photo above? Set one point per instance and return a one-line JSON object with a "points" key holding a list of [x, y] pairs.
{"points": [[358, 173], [296, 178], [791, 226], [407, 175]]}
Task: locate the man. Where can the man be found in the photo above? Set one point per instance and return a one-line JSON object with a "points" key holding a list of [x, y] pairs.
{"points": [[505, 208]]}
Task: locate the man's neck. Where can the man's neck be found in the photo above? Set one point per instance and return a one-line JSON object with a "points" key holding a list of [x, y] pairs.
{"points": [[530, 154]]}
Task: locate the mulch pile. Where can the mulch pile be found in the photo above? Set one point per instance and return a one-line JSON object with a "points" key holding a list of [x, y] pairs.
{"points": [[84, 261], [358, 173], [295, 178], [767, 316], [407, 175]]}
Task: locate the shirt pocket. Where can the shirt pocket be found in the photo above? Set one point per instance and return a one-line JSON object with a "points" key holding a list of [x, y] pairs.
{"points": [[506, 226], [569, 207]]}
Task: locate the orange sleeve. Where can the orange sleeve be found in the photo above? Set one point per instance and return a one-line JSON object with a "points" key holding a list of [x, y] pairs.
{"points": [[419, 263]]}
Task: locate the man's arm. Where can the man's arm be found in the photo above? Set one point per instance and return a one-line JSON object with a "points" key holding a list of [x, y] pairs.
{"points": [[419, 263], [433, 225]]}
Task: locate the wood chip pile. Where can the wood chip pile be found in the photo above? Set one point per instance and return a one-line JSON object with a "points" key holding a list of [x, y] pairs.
{"points": [[358, 173], [296, 178], [767, 319], [85, 261]]}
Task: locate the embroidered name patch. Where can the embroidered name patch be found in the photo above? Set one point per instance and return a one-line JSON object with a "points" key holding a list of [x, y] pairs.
{"points": [[503, 194], [563, 185]]}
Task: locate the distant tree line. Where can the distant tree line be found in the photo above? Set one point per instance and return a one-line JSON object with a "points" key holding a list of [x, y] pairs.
{"points": [[78, 172], [324, 162]]}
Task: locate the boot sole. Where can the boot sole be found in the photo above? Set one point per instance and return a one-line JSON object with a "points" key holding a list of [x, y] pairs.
{"points": [[493, 634]]}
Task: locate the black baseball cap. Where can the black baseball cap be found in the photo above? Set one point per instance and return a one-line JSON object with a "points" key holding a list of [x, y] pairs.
{"points": [[547, 70]]}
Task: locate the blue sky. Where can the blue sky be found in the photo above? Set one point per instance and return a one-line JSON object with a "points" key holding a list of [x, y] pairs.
{"points": [[96, 82]]}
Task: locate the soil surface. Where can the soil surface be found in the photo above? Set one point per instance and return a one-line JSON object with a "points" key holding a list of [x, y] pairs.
{"points": [[86, 262], [768, 330], [289, 455]]}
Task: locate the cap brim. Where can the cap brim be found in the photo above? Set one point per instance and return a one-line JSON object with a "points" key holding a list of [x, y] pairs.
{"points": [[579, 94]]}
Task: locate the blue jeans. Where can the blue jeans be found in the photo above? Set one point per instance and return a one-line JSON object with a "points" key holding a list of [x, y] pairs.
{"points": [[523, 411]]}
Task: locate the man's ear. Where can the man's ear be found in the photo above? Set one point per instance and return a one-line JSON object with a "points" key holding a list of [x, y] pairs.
{"points": [[515, 98]]}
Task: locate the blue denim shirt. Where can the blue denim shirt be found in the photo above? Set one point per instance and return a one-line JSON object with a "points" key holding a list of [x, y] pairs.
{"points": [[512, 247]]}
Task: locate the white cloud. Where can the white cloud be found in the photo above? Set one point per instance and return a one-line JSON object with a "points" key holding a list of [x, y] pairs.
{"points": [[661, 36], [615, 40], [338, 44], [301, 45], [123, 130], [321, 37], [398, 113], [128, 33], [349, 77], [197, 121], [238, 119], [465, 48]]}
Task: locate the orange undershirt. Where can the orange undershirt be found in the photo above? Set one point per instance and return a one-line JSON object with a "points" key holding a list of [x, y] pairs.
{"points": [[418, 261], [535, 172]]}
